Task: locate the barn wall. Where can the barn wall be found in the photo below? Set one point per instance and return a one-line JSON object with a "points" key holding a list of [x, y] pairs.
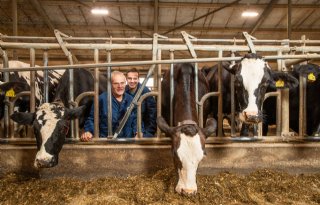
{"points": [[89, 161]]}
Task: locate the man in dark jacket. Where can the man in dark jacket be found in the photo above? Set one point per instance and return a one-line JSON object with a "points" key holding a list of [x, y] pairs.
{"points": [[120, 103], [149, 106]]}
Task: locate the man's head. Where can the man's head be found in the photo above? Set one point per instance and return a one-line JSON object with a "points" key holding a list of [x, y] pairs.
{"points": [[118, 81], [133, 78]]}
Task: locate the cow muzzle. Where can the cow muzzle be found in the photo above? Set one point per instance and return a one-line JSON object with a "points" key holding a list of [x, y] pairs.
{"points": [[251, 117], [45, 163]]}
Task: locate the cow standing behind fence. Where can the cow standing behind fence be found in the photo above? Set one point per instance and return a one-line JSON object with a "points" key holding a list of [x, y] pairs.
{"points": [[51, 121], [188, 139]]}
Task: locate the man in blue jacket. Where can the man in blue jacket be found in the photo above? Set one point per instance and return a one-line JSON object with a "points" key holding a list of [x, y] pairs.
{"points": [[120, 103], [149, 106]]}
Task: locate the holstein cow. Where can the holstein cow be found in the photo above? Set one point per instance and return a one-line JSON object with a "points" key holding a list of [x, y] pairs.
{"points": [[23, 103], [311, 71], [51, 121], [252, 77], [188, 139]]}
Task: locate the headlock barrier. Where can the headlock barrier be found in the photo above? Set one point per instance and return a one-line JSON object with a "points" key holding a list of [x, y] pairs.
{"points": [[163, 51]]}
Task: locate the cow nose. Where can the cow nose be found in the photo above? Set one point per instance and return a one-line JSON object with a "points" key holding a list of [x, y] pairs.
{"points": [[252, 117], [188, 192], [41, 163]]}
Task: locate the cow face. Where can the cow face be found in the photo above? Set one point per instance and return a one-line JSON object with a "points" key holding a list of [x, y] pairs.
{"points": [[50, 123], [252, 77], [188, 143]]}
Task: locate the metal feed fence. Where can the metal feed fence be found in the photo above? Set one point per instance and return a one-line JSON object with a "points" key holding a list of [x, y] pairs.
{"points": [[284, 52]]}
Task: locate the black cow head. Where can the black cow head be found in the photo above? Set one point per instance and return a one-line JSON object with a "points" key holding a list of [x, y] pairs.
{"points": [[50, 123], [311, 71], [252, 77], [188, 143]]}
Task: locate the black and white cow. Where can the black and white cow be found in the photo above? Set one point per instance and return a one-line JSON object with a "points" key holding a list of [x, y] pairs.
{"points": [[51, 121], [23, 103], [188, 139], [252, 77], [312, 73]]}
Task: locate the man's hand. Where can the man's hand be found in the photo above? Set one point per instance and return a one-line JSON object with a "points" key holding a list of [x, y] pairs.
{"points": [[86, 136]]}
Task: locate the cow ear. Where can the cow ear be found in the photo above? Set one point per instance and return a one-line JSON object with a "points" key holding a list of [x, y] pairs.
{"points": [[211, 127], [17, 87], [311, 71], [281, 80], [24, 118], [74, 113], [232, 68], [164, 127]]}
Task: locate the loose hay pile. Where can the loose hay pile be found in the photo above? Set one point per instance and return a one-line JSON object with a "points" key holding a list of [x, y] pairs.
{"points": [[260, 187]]}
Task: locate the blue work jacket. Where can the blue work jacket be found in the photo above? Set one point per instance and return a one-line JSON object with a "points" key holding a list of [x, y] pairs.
{"points": [[118, 111], [148, 112]]}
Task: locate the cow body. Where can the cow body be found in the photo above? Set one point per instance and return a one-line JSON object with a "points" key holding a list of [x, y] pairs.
{"points": [[312, 102], [252, 78], [51, 120], [188, 139], [23, 103]]}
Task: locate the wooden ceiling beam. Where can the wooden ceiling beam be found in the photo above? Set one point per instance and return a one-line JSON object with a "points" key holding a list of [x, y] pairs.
{"points": [[264, 15], [36, 4], [168, 4], [102, 29]]}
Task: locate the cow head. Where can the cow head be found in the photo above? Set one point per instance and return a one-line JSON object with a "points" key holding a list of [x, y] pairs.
{"points": [[311, 71], [50, 124], [252, 77], [188, 143]]}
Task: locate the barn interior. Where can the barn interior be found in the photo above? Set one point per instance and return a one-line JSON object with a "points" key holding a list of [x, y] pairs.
{"points": [[130, 25]]}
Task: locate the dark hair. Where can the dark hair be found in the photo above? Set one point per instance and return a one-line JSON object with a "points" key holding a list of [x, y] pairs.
{"points": [[133, 70]]}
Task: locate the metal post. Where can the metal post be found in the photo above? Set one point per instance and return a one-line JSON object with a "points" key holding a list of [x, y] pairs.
{"points": [[233, 132], [45, 78], [284, 102], [171, 87], [159, 91], [109, 95], [220, 100], [6, 106], [96, 95]]}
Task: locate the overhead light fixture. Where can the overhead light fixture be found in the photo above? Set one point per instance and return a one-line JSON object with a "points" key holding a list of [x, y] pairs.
{"points": [[99, 11], [249, 14]]}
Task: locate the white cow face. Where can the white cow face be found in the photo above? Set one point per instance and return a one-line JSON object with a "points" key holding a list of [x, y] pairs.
{"points": [[188, 143], [252, 78], [50, 123]]}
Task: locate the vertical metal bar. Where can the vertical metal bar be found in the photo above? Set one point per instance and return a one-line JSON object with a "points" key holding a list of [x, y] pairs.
{"points": [[109, 95], [74, 134], [14, 25], [220, 101], [171, 87], [96, 95], [6, 106], [32, 81], [302, 100], [45, 78], [284, 102], [159, 91], [196, 86], [233, 132], [278, 113]]}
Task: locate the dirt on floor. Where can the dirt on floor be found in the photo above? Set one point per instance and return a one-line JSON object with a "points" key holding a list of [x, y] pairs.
{"points": [[259, 187]]}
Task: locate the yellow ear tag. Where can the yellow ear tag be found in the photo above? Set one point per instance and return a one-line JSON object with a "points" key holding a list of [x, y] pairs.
{"points": [[10, 93], [311, 77], [280, 83]]}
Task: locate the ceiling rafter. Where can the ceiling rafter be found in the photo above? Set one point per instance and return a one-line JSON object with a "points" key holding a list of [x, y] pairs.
{"points": [[86, 6], [169, 4], [263, 16], [36, 4], [304, 18], [200, 17], [85, 19]]}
